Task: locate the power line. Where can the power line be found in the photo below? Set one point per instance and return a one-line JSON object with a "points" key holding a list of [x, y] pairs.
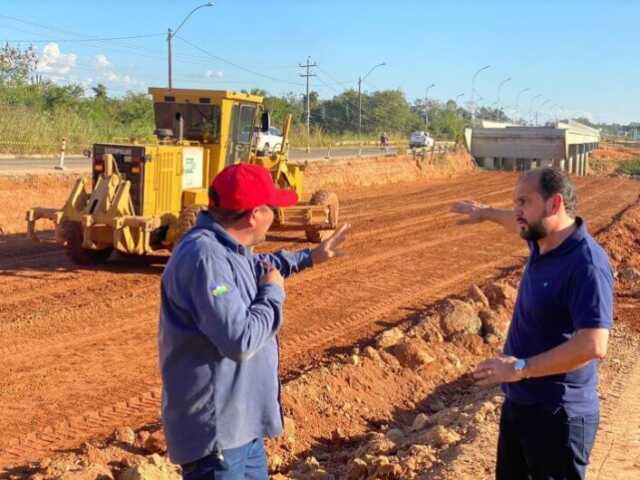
{"points": [[27, 22], [233, 64], [333, 78], [82, 40]]}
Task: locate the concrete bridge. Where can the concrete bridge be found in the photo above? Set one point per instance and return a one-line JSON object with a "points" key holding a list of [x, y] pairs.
{"points": [[500, 146]]}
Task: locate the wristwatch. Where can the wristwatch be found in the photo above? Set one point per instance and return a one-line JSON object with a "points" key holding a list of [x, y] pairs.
{"points": [[519, 366]]}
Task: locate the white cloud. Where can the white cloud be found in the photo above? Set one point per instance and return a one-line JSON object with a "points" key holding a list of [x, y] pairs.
{"points": [[106, 72], [213, 74], [55, 63], [102, 62]]}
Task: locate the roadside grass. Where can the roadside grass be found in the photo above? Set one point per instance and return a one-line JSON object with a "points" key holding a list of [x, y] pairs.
{"points": [[630, 167], [26, 130]]}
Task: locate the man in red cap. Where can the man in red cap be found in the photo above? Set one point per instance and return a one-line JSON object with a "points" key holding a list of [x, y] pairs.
{"points": [[221, 311]]}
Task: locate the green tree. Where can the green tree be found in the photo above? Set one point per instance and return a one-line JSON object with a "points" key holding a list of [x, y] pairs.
{"points": [[17, 66], [100, 91], [61, 96]]}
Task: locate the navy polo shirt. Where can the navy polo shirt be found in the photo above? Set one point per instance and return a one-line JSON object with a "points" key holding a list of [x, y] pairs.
{"points": [[566, 289]]}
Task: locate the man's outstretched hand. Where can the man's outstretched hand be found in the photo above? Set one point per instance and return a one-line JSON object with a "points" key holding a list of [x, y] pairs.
{"points": [[331, 247], [473, 210]]}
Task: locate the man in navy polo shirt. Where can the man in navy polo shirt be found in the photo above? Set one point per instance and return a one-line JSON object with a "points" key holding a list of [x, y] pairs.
{"points": [[220, 313], [559, 331]]}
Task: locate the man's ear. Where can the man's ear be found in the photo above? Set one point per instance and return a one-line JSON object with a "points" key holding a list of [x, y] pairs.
{"points": [[557, 203], [251, 217]]}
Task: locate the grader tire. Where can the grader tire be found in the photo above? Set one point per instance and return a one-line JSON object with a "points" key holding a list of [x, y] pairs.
{"points": [[187, 219], [324, 198], [72, 234]]}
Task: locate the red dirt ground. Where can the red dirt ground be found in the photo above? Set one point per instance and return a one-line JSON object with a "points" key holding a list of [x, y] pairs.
{"points": [[78, 345]]}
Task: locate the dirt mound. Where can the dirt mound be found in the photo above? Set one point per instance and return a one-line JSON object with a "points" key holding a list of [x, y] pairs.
{"points": [[607, 158], [20, 193], [610, 151], [363, 172]]}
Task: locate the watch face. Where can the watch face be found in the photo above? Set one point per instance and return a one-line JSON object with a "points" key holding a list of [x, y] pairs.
{"points": [[519, 365]]}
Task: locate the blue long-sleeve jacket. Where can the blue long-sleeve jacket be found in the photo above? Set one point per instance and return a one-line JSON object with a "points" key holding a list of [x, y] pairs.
{"points": [[217, 343]]}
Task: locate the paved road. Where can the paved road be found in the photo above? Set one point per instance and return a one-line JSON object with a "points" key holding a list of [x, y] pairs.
{"points": [[75, 163]]}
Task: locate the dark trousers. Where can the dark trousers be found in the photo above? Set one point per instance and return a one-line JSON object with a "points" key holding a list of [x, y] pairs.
{"points": [[248, 462], [540, 444]]}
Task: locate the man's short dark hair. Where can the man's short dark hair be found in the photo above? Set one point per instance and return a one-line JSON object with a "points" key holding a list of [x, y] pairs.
{"points": [[552, 181], [222, 215]]}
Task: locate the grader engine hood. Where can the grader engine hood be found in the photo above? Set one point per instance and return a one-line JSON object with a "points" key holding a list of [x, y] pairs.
{"points": [[129, 161]]}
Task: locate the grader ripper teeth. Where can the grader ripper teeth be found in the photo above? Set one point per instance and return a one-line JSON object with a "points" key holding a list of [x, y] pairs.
{"points": [[92, 225], [143, 197]]}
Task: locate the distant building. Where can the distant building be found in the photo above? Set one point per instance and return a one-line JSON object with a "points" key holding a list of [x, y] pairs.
{"points": [[632, 130]]}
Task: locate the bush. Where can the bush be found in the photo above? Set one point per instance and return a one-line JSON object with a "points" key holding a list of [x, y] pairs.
{"points": [[630, 167]]}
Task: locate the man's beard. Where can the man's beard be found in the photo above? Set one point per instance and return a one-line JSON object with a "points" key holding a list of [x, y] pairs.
{"points": [[534, 231]]}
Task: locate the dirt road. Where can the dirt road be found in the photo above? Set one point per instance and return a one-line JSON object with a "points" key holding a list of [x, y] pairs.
{"points": [[78, 346]]}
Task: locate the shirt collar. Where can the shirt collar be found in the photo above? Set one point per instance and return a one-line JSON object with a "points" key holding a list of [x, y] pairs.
{"points": [[205, 221], [569, 243]]}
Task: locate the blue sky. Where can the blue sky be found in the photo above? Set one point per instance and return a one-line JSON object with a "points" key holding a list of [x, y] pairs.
{"points": [[581, 55]]}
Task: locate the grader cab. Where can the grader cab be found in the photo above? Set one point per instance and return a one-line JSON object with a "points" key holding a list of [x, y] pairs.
{"points": [[142, 198]]}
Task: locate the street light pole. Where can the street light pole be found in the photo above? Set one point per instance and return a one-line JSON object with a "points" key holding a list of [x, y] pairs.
{"points": [[171, 34], [531, 107], [540, 107], [426, 95], [518, 99], [508, 79], [473, 92], [360, 80]]}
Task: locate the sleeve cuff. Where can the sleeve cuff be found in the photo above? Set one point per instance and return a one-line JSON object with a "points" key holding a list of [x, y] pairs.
{"points": [[306, 259]]}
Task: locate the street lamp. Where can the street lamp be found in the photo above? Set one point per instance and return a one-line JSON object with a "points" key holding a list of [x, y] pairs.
{"points": [[455, 102], [473, 89], [360, 80], [171, 34], [426, 94], [540, 108], [518, 98], [508, 79], [531, 107], [558, 109]]}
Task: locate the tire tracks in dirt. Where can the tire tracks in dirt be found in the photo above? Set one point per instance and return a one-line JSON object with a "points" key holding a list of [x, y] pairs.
{"points": [[312, 325]]}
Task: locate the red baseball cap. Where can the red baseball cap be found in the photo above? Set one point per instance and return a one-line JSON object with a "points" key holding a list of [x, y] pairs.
{"points": [[244, 186]]}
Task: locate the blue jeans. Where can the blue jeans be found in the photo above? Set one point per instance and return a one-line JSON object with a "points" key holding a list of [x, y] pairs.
{"points": [[246, 462], [540, 444]]}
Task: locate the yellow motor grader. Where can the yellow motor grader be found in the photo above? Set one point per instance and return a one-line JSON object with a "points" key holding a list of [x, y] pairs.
{"points": [[143, 197]]}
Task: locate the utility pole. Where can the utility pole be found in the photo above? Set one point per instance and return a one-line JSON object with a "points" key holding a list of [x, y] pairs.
{"points": [[360, 80], [169, 37], [307, 75], [426, 113], [171, 34], [359, 108]]}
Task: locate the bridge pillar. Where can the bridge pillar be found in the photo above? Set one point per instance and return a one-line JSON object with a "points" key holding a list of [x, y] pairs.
{"points": [[586, 163], [580, 159], [509, 164], [570, 158]]}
